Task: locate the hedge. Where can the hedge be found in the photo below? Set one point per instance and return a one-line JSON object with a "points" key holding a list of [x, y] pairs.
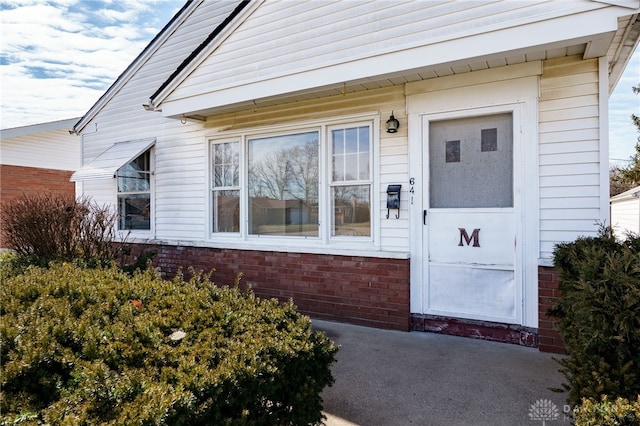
{"points": [[605, 412], [99, 346], [598, 316]]}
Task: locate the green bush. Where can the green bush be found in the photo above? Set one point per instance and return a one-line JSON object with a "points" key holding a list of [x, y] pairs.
{"points": [[604, 412], [98, 346], [598, 316], [47, 227]]}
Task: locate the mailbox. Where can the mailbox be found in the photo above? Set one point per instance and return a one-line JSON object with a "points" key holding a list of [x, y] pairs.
{"points": [[393, 199]]}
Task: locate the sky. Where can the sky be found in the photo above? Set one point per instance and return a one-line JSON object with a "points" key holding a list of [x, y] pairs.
{"points": [[57, 57]]}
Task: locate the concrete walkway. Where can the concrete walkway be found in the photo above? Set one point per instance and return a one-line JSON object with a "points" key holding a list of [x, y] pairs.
{"points": [[396, 378]]}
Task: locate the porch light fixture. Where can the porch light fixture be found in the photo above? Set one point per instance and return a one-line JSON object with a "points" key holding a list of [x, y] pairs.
{"points": [[392, 124]]}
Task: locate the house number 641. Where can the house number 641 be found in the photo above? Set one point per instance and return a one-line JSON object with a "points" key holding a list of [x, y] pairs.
{"points": [[412, 182]]}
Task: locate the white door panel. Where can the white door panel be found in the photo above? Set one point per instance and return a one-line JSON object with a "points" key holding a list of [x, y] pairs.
{"points": [[474, 293], [469, 238]]}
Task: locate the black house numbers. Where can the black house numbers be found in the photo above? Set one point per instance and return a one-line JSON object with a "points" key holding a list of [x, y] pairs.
{"points": [[472, 240]]}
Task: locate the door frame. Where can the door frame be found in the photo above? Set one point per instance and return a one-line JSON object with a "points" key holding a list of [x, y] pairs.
{"points": [[518, 96]]}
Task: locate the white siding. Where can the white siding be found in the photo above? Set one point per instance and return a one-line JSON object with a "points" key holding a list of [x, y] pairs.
{"points": [[286, 39], [569, 148], [178, 154], [51, 149], [625, 216]]}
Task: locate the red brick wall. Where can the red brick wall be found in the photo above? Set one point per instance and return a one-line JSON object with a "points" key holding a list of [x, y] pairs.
{"points": [[360, 290], [16, 181], [549, 340]]}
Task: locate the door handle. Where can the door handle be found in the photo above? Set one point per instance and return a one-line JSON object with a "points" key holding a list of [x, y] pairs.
{"points": [[424, 217]]}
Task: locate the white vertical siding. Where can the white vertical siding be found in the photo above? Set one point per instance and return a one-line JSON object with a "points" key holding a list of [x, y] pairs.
{"points": [[181, 184], [569, 147]]}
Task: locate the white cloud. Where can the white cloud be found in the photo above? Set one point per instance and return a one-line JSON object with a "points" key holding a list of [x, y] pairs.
{"points": [[58, 58]]}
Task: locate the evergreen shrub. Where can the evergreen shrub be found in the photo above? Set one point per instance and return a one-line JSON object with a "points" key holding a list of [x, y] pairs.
{"points": [[605, 412], [82, 347], [598, 316]]}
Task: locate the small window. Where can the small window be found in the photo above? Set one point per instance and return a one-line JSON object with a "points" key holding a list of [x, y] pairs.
{"points": [[134, 194], [351, 183], [226, 187]]}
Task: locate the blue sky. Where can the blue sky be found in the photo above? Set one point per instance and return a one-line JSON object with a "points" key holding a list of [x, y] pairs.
{"points": [[58, 57]]}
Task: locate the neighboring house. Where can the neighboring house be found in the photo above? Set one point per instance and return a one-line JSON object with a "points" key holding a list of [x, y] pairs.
{"points": [[261, 137], [35, 159], [625, 212]]}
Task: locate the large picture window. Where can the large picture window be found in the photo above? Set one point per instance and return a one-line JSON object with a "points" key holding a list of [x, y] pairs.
{"points": [[283, 185], [134, 194], [314, 183]]}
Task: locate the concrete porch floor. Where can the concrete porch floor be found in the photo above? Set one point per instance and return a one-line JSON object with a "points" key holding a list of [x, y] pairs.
{"points": [[387, 377]]}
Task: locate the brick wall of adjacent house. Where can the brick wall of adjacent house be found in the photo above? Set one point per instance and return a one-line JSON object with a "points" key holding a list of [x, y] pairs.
{"points": [[17, 181], [549, 340], [359, 290]]}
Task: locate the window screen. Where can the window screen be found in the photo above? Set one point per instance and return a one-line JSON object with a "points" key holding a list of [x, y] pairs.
{"points": [[471, 162]]}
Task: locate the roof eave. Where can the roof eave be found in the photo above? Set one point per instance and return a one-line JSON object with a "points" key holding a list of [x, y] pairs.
{"points": [[244, 9]]}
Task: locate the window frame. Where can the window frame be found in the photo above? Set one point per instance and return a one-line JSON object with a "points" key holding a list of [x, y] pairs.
{"points": [[212, 187], [243, 238], [331, 183], [151, 192]]}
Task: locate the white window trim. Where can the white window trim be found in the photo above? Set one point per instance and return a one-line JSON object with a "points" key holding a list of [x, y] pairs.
{"points": [[243, 240]]}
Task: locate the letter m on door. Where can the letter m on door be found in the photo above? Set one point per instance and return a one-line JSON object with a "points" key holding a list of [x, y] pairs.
{"points": [[465, 238]]}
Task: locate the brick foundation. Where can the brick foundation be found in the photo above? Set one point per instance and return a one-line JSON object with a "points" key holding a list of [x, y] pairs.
{"points": [[485, 330], [17, 181], [359, 290], [373, 292], [548, 294]]}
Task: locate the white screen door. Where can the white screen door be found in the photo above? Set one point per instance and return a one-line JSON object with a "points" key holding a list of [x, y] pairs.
{"points": [[469, 238]]}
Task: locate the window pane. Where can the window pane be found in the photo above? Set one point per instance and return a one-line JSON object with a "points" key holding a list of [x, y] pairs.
{"points": [[363, 167], [134, 211], [338, 167], [351, 140], [351, 211], [363, 139], [338, 141], [226, 211], [283, 185], [351, 167]]}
